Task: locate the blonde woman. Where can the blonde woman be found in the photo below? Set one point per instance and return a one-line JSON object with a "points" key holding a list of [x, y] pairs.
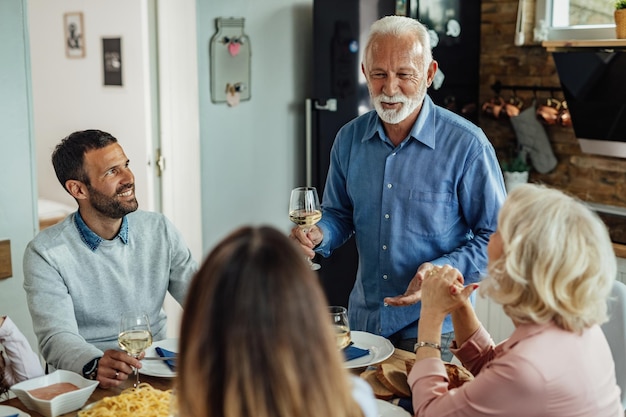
{"points": [[256, 338], [551, 267]]}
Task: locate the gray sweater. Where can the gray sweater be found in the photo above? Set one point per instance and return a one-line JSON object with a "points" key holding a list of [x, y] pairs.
{"points": [[76, 295]]}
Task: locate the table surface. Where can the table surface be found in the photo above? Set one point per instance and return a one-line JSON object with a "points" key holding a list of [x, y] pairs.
{"points": [[99, 393], [398, 357]]}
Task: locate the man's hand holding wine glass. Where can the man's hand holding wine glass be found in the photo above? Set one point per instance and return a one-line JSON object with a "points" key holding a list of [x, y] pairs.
{"points": [[308, 238], [305, 210], [115, 367]]}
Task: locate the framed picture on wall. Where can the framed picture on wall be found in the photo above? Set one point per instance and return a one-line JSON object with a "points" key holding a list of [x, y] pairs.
{"points": [[74, 35], [112, 61]]}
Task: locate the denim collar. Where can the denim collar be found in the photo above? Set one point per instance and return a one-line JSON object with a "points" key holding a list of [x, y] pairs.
{"points": [[91, 239], [422, 130]]}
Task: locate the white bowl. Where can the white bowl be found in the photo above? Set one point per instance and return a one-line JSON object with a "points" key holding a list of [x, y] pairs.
{"points": [[61, 404]]}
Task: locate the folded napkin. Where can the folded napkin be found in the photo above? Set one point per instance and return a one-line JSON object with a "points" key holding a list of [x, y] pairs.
{"points": [[353, 352], [164, 353]]}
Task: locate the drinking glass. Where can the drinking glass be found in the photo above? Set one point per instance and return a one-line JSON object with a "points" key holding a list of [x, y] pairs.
{"points": [[135, 336], [305, 211], [339, 318]]}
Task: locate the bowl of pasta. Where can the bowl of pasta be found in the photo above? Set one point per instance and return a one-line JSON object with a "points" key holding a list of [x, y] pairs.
{"points": [[142, 401], [56, 393]]}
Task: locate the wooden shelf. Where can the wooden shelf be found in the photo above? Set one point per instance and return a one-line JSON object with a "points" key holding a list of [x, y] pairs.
{"points": [[555, 46], [620, 250]]}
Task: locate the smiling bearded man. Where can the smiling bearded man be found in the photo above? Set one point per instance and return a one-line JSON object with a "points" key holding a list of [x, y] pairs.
{"points": [[414, 183], [106, 258]]}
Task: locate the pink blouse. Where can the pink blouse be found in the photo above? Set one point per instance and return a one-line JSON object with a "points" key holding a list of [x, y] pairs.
{"points": [[21, 362], [541, 370]]}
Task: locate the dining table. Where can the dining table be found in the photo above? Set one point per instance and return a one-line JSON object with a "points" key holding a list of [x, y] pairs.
{"points": [[98, 394], [398, 357]]}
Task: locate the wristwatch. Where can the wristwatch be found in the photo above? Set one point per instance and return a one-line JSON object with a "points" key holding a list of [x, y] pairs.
{"points": [[90, 371]]}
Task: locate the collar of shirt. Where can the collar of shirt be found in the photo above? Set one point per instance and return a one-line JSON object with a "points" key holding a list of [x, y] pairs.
{"points": [[423, 129], [91, 239], [523, 332]]}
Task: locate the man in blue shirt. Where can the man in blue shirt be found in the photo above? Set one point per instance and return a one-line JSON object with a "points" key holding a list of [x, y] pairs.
{"points": [[417, 185]]}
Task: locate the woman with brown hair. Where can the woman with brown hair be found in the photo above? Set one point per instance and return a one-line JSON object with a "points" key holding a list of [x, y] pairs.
{"points": [[256, 337]]}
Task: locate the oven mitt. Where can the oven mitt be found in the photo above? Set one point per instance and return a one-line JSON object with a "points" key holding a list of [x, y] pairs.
{"points": [[353, 352], [532, 137], [167, 354]]}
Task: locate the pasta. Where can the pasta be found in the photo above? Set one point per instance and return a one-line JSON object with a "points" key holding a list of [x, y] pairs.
{"points": [[143, 401]]}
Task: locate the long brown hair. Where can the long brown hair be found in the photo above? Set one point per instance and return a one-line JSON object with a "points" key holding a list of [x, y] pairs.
{"points": [[256, 338]]}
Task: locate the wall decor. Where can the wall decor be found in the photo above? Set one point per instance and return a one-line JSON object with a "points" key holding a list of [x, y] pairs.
{"points": [[74, 35], [230, 62], [112, 61]]}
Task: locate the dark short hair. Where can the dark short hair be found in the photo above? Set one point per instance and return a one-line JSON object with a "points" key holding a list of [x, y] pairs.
{"points": [[69, 154]]}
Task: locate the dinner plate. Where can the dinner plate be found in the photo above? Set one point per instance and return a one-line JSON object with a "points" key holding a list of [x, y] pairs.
{"points": [[386, 409], [379, 347], [6, 410], [159, 368]]}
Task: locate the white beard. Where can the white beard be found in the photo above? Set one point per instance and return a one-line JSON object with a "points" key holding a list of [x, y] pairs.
{"points": [[391, 116]]}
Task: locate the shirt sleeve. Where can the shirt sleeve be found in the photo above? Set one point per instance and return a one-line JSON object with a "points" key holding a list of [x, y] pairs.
{"points": [[183, 266], [502, 387], [481, 194], [337, 224], [52, 311], [477, 351], [364, 396], [22, 362]]}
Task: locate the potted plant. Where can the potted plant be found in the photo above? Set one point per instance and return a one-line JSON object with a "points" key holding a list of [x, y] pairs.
{"points": [[515, 170], [620, 19]]}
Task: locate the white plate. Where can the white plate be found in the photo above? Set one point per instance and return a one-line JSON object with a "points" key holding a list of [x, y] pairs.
{"points": [[159, 368], [379, 347], [386, 409], [5, 410]]}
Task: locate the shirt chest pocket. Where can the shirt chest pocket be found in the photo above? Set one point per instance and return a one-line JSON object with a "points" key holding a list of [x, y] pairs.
{"points": [[430, 213]]}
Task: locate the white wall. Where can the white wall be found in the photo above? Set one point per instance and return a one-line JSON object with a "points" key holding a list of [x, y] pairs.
{"points": [[69, 95], [251, 153]]}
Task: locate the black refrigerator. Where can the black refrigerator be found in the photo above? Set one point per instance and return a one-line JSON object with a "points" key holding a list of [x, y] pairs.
{"points": [[339, 92]]}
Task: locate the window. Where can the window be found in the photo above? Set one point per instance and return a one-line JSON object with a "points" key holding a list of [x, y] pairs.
{"points": [[574, 19]]}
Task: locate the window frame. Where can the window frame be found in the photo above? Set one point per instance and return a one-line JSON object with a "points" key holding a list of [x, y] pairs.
{"points": [[546, 32]]}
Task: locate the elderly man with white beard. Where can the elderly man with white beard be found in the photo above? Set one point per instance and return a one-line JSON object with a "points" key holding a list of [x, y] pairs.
{"points": [[417, 185]]}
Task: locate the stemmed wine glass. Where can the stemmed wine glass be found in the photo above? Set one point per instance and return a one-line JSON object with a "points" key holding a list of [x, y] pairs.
{"points": [[305, 211], [339, 318], [135, 336]]}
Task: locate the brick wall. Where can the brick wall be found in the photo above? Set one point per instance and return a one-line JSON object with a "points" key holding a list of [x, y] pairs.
{"points": [[592, 178]]}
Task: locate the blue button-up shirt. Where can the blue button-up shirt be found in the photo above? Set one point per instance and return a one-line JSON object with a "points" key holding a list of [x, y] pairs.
{"points": [[433, 198]]}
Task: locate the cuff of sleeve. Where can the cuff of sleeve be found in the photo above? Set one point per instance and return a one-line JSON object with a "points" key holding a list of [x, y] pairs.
{"points": [[471, 350], [323, 247]]}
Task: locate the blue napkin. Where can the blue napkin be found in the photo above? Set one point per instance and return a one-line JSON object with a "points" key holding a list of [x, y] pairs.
{"points": [[353, 352], [167, 354]]}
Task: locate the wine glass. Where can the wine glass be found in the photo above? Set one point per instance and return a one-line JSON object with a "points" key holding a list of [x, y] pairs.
{"points": [[305, 211], [135, 336], [339, 318]]}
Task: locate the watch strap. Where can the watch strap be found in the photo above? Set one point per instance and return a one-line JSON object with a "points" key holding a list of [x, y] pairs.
{"points": [[90, 370]]}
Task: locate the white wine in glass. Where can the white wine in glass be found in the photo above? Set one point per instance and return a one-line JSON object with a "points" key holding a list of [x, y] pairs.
{"points": [[339, 318], [305, 211], [135, 336]]}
